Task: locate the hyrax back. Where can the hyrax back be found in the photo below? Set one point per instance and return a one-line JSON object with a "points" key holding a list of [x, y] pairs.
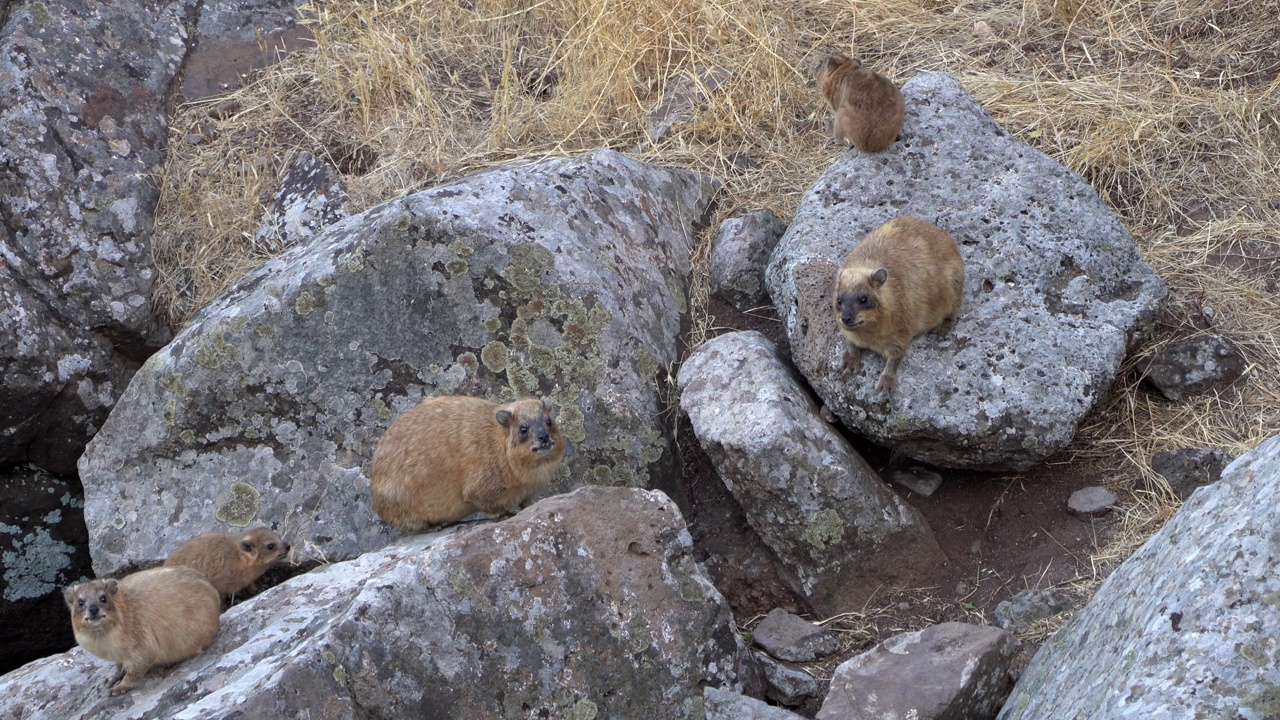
{"points": [[230, 562], [449, 457], [902, 280], [155, 617], [868, 106]]}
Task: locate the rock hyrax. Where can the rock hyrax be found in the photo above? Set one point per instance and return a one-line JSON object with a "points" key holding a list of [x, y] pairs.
{"points": [[868, 106], [231, 562], [902, 280], [450, 456], [155, 617]]}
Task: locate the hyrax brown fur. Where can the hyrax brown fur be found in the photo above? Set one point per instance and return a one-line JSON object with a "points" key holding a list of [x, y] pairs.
{"points": [[449, 457], [155, 617], [230, 562], [902, 280], [868, 106]]}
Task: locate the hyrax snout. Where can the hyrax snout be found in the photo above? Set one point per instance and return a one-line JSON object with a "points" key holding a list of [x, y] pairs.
{"points": [[902, 280], [231, 562], [449, 457], [868, 107]]}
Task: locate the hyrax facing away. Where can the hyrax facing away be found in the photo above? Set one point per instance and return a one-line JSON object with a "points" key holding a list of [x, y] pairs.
{"points": [[450, 456], [868, 106], [902, 280], [155, 617], [230, 562]]}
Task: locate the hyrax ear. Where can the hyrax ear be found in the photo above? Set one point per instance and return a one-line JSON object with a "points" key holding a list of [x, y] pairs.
{"points": [[69, 594], [878, 277], [246, 546], [503, 416], [549, 406], [112, 587]]}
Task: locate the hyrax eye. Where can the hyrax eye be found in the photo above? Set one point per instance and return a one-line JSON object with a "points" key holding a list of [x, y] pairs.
{"points": [[524, 429], [862, 300], [271, 546], [102, 599], [79, 602]]}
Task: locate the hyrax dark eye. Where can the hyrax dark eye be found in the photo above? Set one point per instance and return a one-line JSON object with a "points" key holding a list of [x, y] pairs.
{"points": [[271, 546], [79, 602], [862, 300], [102, 599]]}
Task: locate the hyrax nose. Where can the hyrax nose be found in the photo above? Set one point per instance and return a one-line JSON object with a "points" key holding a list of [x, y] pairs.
{"points": [[544, 437]]}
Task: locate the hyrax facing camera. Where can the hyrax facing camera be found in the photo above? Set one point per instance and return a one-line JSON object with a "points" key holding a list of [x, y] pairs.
{"points": [[902, 280], [868, 107], [449, 457]]}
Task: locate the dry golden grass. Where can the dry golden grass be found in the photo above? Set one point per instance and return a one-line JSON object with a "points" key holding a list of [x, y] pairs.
{"points": [[1168, 107]]}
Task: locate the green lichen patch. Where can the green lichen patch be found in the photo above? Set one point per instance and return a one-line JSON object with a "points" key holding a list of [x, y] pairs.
{"points": [[241, 507], [583, 710], [826, 528], [494, 357], [305, 304]]}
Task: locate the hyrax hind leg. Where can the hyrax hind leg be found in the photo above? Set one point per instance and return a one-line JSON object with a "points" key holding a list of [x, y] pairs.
{"points": [[132, 676]]}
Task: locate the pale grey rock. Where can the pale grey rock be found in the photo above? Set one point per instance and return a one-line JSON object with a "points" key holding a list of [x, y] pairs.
{"points": [[84, 85], [720, 704], [1031, 606], [792, 638], [586, 605], [952, 671], [564, 278], [1091, 502], [1056, 292], [785, 684], [1185, 628], [1189, 468], [740, 251], [1195, 365], [838, 532], [310, 198]]}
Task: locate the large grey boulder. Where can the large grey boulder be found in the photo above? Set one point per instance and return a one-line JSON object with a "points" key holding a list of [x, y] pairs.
{"points": [[84, 84], [1186, 627], [563, 278], [952, 671], [587, 605], [1056, 292], [838, 532]]}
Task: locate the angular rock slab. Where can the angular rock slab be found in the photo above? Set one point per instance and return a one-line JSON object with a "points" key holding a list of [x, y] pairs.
{"points": [[838, 532], [1055, 289], [1186, 627], [564, 278], [729, 705], [952, 671], [586, 605]]}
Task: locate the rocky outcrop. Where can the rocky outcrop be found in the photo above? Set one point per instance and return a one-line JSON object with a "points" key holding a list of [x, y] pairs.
{"points": [[564, 278], [1056, 292], [43, 548], [740, 251], [838, 532], [1186, 626], [84, 129], [951, 671], [585, 605]]}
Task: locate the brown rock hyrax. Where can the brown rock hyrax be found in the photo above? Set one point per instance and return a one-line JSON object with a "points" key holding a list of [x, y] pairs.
{"points": [[902, 280], [449, 457], [868, 106], [155, 617], [230, 562]]}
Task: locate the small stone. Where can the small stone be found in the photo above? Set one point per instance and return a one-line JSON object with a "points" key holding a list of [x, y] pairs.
{"points": [[1190, 468], [1195, 365], [982, 30], [785, 684], [1274, 203], [827, 416], [1091, 502], [1030, 606], [788, 637], [739, 253], [919, 480]]}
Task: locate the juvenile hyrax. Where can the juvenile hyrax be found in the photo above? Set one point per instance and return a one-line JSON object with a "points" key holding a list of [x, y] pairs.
{"points": [[231, 562], [451, 456], [902, 280], [155, 617], [868, 106]]}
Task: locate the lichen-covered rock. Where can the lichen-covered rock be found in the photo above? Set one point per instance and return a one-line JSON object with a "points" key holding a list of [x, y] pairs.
{"points": [[43, 548], [563, 278], [1028, 607], [310, 198], [587, 605], [1186, 626], [1195, 365], [723, 704], [952, 671], [1056, 292], [84, 85], [838, 532], [740, 251]]}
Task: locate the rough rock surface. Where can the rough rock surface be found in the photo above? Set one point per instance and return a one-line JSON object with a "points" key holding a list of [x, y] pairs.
{"points": [[234, 37], [562, 278], [586, 605], [1031, 606], [785, 684], [1186, 626], [721, 704], [43, 548], [1091, 502], [952, 671], [739, 253], [1055, 289], [84, 129], [838, 532], [1195, 365], [792, 638], [1189, 468], [309, 199]]}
